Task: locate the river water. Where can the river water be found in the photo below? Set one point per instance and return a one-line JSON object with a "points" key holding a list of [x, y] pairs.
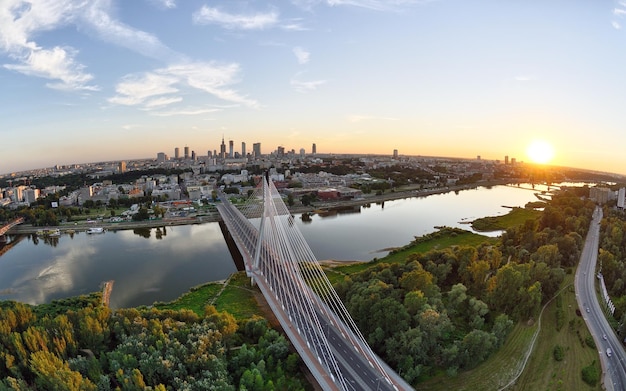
{"points": [[160, 264]]}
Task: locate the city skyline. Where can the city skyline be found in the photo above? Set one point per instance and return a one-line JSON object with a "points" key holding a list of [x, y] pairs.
{"points": [[110, 80]]}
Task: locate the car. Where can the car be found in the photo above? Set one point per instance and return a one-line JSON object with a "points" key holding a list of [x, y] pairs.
{"points": [[587, 309], [604, 337], [609, 352]]}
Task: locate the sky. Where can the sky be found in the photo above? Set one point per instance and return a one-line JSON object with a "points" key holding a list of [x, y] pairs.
{"points": [[98, 80]]}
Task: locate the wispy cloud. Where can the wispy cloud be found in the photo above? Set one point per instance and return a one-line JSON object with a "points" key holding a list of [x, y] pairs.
{"points": [[377, 5], [164, 3], [257, 21], [306, 86], [20, 21], [359, 118], [160, 87], [619, 11], [302, 55], [616, 25], [189, 111]]}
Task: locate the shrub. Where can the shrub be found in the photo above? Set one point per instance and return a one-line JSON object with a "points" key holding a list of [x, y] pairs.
{"points": [[591, 374], [558, 353]]}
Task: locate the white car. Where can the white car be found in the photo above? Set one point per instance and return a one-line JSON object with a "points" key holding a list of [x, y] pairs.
{"points": [[608, 352]]}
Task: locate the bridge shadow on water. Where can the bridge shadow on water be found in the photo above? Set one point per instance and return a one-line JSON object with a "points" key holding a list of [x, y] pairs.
{"points": [[232, 248]]}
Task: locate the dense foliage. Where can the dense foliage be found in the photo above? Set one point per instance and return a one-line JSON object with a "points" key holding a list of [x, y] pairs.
{"points": [[90, 347], [450, 309], [612, 261]]}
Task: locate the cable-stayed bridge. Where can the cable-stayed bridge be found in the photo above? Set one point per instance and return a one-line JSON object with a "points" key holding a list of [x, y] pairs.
{"points": [[280, 262]]}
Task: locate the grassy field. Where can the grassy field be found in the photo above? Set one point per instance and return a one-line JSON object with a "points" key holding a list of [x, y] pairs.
{"points": [[235, 296], [436, 240], [543, 372], [196, 299], [515, 217], [239, 298]]}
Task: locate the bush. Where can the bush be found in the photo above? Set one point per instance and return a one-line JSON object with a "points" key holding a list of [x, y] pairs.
{"points": [[591, 374], [558, 353], [589, 341]]}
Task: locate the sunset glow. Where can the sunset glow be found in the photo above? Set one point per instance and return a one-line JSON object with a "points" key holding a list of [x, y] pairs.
{"points": [[540, 151]]}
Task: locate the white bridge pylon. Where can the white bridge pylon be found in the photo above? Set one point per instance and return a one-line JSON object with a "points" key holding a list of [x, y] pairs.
{"points": [[279, 260]]}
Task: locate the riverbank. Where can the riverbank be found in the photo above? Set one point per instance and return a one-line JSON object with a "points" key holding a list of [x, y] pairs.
{"points": [[399, 193]]}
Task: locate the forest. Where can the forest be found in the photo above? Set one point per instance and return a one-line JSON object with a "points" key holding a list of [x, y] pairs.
{"points": [[449, 309], [79, 344]]}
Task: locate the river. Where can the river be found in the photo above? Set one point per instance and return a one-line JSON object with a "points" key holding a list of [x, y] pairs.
{"points": [[160, 264]]}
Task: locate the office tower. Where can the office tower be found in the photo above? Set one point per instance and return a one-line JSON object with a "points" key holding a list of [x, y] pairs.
{"points": [[256, 149], [223, 149], [243, 149], [122, 167], [161, 157], [506, 159], [231, 146], [313, 149], [395, 153], [186, 152], [281, 151], [193, 155], [176, 153], [302, 152]]}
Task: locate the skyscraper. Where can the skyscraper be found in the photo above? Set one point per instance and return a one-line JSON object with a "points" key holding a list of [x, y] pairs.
{"points": [[243, 149], [176, 153], [222, 149], [186, 152], [256, 150], [313, 149], [231, 148], [122, 167]]}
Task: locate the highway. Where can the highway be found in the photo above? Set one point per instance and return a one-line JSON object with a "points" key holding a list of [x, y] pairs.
{"points": [[614, 367]]}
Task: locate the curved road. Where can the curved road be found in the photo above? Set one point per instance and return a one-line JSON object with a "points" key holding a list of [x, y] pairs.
{"points": [[613, 367]]}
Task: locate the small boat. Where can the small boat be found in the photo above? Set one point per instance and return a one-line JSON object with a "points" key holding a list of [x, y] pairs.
{"points": [[95, 230], [53, 232]]}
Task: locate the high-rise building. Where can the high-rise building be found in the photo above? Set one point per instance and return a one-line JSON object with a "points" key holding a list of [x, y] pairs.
{"points": [[506, 159], [280, 151], [313, 149], [222, 149], [176, 153], [193, 155], [621, 197], [122, 167], [161, 157], [302, 152], [186, 152], [243, 149], [256, 150], [231, 148], [395, 153]]}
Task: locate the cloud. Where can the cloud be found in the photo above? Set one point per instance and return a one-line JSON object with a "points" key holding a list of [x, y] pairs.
{"points": [[19, 21], [259, 21], [56, 64], [376, 5], [97, 17], [169, 4], [359, 118], [306, 86], [184, 112], [302, 55], [616, 25], [619, 12], [160, 87]]}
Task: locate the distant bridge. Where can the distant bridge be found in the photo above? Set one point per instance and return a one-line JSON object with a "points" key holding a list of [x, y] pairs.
{"points": [[279, 260], [5, 228]]}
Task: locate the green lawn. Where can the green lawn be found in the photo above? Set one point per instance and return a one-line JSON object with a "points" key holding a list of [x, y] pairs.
{"points": [[436, 240], [196, 299], [238, 298], [515, 217]]}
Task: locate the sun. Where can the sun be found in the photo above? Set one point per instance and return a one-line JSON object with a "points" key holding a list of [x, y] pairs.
{"points": [[540, 151]]}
